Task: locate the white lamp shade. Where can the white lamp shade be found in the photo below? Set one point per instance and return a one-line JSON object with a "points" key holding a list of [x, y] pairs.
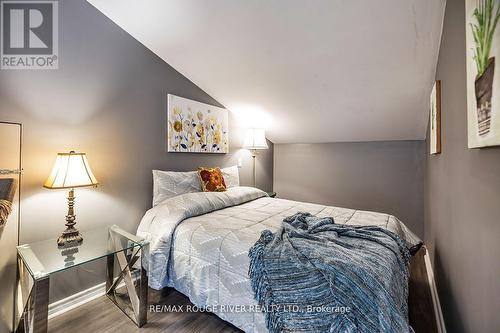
{"points": [[255, 138], [71, 170]]}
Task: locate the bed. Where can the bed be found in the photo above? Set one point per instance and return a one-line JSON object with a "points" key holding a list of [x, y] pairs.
{"points": [[199, 245]]}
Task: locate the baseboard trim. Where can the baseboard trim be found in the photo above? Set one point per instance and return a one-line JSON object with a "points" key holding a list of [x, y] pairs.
{"points": [[73, 301], [435, 296]]}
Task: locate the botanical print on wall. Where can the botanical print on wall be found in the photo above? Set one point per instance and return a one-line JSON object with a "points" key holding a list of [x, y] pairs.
{"points": [[483, 79], [435, 119], [196, 127]]}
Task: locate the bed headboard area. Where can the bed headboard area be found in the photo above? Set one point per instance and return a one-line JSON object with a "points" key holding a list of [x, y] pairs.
{"points": [[7, 191]]}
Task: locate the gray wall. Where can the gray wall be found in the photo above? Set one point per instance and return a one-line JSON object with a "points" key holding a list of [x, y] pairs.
{"points": [[462, 193], [108, 99], [379, 176]]}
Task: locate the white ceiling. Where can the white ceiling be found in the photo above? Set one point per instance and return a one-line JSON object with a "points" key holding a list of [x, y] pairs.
{"points": [[323, 70]]}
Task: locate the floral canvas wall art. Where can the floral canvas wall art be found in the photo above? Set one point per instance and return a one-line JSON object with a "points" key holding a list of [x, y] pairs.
{"points": [[483, 81], [196, 127]]}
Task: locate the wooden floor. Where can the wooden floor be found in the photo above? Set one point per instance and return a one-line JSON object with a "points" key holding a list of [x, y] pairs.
{"points": [[102, 316]]}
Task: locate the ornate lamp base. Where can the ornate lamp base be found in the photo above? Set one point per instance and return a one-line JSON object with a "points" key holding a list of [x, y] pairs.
{"points": [[71, 235]]}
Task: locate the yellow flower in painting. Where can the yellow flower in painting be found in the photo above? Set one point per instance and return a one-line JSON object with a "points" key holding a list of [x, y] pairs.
{"points": [[177, 126], [190, 141], [177, 110], [199, 114], [217, 137], [201, 130]]}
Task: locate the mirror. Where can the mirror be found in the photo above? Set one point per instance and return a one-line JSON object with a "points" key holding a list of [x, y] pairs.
{"points": [[10, 181]]}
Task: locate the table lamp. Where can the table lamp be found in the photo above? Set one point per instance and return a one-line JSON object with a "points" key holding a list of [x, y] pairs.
{"points": [[70, 170], [255, 139]]}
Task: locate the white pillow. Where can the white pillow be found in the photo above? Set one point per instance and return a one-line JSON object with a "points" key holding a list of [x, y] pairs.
{"points": [[168, 184], [231, 176]]}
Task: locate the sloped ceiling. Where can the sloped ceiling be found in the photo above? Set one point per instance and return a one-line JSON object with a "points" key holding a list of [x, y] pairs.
{"points": [[322, 71]]}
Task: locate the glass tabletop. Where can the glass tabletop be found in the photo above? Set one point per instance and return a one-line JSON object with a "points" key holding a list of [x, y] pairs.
{"points": [[45, 257]]}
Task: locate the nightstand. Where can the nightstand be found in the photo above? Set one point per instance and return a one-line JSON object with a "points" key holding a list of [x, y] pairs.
{"points": [[38, 261], [271, 194]]}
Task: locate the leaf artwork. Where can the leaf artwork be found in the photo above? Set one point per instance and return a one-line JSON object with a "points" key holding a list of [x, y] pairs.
{"points": [[483, 30]]}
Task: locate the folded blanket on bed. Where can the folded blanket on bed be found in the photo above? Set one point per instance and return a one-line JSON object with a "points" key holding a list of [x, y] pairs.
{"points": [[7, 191], [317, 276]]}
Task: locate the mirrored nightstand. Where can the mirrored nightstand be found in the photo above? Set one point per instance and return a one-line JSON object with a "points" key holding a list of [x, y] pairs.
{"points": [[38, 261]]}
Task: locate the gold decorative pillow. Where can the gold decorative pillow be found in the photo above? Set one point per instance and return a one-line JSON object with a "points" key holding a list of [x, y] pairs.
{"points": [[211, 180]]}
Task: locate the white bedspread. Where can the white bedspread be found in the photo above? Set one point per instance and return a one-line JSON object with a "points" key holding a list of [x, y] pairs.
{"points": [[199, 244]]}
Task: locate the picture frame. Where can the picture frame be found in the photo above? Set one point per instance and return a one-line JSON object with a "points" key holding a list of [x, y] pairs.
{"points": [[435, 119], [483, 79], [195, 127]]}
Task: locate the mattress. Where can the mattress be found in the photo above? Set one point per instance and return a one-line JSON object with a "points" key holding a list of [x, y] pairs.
{"points": [[200, 242]]}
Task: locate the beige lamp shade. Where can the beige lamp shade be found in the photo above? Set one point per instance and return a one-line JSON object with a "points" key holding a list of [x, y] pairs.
{"points": [[255, 138], [71, 170]]}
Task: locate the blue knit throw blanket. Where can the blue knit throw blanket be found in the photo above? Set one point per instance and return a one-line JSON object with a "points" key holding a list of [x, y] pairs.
{"points": [[317, 276]]}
